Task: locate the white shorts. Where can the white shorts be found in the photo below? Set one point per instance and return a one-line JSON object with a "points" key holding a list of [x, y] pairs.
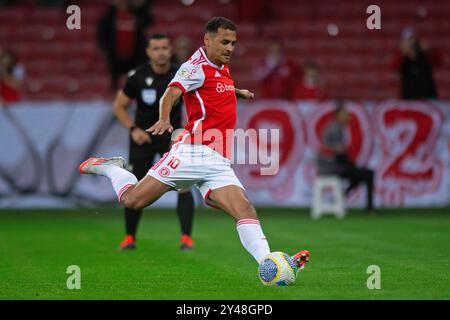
{"points": [[191, 164]]}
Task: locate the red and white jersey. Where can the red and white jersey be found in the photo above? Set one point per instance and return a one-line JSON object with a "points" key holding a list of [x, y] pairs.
{"points": [[210, 100]]}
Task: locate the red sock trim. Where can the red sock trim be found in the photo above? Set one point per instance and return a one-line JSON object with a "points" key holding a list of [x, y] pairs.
{"points": [[247, 221], [122, 191]]}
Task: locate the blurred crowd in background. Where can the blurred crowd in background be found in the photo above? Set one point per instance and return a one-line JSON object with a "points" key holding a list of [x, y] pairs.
{"points": [[286, 49]]}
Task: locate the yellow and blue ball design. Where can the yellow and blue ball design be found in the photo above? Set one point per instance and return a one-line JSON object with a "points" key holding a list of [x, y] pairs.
{"points": [[277, 269]]}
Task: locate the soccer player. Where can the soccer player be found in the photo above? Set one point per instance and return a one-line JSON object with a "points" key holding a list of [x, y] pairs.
{"points": [[146, 84], [200, 157]]}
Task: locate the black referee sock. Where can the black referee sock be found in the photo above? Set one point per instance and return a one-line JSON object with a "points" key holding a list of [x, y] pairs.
{"points": [[185, 211], [132, 218]]}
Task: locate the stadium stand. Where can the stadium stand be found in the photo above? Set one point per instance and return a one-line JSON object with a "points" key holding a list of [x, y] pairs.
{"points": [[355, 62]]}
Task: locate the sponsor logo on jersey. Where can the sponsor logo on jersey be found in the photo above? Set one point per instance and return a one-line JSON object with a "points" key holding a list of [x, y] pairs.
{"points": [[188, 73], [222, 87], [217, 75]]}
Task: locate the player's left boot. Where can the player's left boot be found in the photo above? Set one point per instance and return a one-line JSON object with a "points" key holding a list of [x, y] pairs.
{"points": [[129, 243], [186, 243], [97, 165], [301, 259]]}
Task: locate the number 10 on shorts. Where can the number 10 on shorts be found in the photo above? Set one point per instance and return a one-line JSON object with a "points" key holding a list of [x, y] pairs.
{"points": [[174, 163]]}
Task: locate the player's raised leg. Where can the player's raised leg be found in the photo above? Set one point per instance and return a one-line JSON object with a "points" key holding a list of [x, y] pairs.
{"points": [[233, 200], [130, 192]]}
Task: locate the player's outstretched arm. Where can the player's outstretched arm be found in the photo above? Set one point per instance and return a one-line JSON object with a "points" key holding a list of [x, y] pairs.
{"points": [[244, 94], [166, 102]]}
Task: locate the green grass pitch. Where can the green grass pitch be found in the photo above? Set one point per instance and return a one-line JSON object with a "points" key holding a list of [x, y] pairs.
{"points": [[411, 247]]}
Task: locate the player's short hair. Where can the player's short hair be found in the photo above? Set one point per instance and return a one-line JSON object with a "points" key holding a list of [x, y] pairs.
{"points": [[157, 36], [213, 25]]}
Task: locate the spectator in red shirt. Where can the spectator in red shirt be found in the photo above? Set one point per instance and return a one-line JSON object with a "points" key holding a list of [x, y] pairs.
{"points": [[11, 76], [121, 36], [310, 87], [277, 74]]}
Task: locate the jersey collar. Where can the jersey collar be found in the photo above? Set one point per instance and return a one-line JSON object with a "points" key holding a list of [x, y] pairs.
{"points": [[209, 61]]}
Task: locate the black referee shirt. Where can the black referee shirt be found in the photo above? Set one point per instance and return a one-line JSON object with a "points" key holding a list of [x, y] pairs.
{"points": [[147, 87]]}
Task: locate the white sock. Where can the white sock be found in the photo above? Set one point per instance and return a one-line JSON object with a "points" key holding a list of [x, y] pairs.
{"points": [[121, 179], [252, 238]]}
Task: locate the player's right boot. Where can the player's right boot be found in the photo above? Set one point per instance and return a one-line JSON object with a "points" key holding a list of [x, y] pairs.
{"points": [[301, 259], [186, 243], [129, 243], [97, 165]]}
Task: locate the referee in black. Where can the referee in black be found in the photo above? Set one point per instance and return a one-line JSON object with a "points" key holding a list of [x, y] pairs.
{"points": [[146, 84]]}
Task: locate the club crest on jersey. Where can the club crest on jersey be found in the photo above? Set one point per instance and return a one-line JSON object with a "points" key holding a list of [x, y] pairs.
{"points": [[149, 81], [148, 96]]}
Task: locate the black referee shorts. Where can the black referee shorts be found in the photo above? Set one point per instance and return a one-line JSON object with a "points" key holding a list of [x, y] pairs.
{"points": [[142, 162]]}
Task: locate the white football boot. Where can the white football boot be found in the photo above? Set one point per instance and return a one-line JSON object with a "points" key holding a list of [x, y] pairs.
{"points": [[97, 165]]}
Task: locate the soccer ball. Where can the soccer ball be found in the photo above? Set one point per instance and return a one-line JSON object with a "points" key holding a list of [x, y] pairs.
{"points": [[277, 269]]}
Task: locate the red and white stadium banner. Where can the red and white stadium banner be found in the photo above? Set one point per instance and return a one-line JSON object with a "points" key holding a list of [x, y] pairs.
{"points": [[406, 143]]}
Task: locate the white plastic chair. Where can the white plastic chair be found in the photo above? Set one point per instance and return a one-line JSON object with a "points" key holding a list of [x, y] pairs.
{"points": [[321, 207]]}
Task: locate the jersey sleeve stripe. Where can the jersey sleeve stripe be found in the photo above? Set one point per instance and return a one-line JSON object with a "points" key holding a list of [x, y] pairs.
{"points": [[198, 61], [177, 84]]}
